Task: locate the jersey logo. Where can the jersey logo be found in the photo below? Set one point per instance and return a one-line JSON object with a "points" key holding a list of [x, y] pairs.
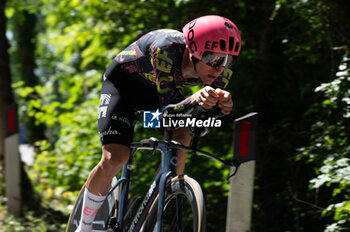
{"points": [[104, 102], [105, 99]]}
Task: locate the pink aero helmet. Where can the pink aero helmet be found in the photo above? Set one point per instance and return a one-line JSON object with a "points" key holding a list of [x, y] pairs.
{"points": [[212, 33]]}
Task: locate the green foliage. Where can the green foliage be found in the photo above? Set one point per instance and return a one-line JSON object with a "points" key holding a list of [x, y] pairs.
{"points": [[76, 42], [72, 148], [29, 223], [329, 148], [289, 48]]}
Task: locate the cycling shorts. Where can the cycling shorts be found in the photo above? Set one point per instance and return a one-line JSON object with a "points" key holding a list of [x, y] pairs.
{"points": [[121, 96]]}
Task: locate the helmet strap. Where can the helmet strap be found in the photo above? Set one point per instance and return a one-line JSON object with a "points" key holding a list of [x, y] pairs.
{"points": [[194, 62]]}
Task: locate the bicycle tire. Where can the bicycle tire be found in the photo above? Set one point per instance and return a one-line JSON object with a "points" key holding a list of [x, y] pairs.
{"points": [[102, 217], [191, 190]]}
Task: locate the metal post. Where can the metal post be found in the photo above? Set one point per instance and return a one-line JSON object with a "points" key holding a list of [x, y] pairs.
{"points": [[12, 161], [240, 198]]}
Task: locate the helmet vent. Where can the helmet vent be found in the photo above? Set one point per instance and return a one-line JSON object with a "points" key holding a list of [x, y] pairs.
{"points": [[237, 46], [231, 42], [223, 45], [228, 25]]}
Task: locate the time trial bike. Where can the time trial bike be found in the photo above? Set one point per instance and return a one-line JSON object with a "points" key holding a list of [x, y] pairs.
{"points": [[163, 206]]}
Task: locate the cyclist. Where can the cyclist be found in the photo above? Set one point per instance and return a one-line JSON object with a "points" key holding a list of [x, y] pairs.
{"points": [[148, 75]]}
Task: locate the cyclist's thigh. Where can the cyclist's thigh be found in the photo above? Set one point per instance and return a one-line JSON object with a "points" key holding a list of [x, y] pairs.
{"points": [[116, 114]]}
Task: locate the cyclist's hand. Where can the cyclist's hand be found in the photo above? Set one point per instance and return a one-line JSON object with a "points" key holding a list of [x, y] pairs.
{"points": [[206, 97], [224, 101]]}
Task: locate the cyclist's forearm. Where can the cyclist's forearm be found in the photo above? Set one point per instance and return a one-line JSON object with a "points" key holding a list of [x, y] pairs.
{"points": [[187, 106], [207, 98]]}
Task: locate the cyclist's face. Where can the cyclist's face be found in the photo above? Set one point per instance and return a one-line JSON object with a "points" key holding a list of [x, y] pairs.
{"points": [[208, 73]]}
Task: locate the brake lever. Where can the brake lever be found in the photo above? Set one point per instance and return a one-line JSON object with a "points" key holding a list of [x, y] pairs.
{"points": [[153, 142]]}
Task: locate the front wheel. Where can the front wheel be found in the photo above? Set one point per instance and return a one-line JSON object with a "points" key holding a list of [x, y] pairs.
{"points": [[184, 208]]}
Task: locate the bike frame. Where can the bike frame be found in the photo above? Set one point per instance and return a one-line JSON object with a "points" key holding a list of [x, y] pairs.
{"points": [[169, 150], [167, 170]]}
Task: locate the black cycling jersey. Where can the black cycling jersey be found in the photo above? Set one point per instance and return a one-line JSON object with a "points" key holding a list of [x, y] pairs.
{"points": [[156, 59], [146, 75]]}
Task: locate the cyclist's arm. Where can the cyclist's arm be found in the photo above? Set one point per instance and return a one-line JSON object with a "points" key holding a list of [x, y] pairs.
{"points": [[163, 58], [211, 96], [163, 63], [207, 98]]}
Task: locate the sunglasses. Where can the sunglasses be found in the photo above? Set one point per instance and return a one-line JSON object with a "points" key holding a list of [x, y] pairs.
{"points": [[216, 60]]}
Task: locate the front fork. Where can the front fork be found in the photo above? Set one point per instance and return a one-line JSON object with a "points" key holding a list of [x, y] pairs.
{"points": [[161, 204], [168, 169]]}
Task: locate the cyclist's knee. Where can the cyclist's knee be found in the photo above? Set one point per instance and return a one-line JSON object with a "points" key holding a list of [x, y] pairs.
{"points": [[182, 135], [114, 156]]}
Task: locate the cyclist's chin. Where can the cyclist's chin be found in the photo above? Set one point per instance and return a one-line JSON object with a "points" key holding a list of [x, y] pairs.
{"points": [[208, 79]]}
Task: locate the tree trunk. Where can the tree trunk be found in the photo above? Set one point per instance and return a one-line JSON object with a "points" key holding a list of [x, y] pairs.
{"points": [[25, 35], [6, 95]]}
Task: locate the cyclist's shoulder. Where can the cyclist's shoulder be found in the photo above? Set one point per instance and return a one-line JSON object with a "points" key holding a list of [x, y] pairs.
{"points": [[164, 39], [170, 35], [157, 41]]}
